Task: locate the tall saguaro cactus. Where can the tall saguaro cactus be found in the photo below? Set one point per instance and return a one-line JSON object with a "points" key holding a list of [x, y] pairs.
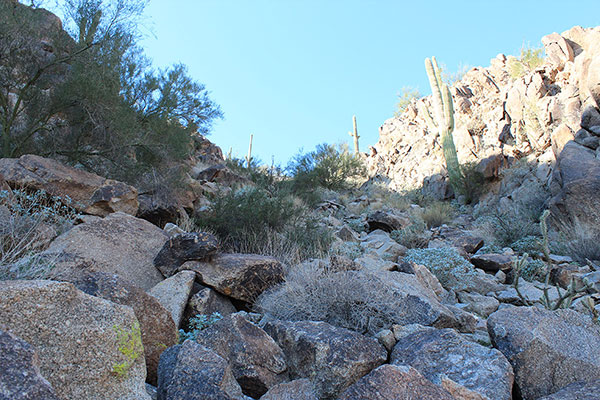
{"points": [[249, 156], [354, 134], [444, 119]]}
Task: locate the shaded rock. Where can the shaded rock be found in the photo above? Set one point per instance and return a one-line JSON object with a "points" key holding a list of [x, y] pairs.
{"points": [[299, 389], [256, 360], [173, 293], [84, 191], [89, 348], [590, 120], [118, 244], [240, 276], [332, 358], [386, 338], [20, 377], [386, 222], [347, 234], [190, 371], [492, 262], [479, 304], [157, 209], [443, 354], [156, 325], [463, 241], [392, 382], [577, 391], [379, 244], [547, 349], [207, 301], [185, 247]]}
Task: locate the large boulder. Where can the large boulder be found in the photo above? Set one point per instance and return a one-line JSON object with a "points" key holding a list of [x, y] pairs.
{"points": [[190, 371], [84, 191], [332, 358], [257, 362], [240, 276], [20, 377], [299, 389], [89, 348], [392, 382], [118, 244], [185, 247], [156, 325], [444, 357], [173, 293], [206, 302], [577, 391], [547, 349]]}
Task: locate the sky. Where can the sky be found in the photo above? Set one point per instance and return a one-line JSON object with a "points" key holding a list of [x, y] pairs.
{"points": [[294, 72]]}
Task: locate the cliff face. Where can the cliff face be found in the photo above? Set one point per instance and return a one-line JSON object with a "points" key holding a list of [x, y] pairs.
{"points": [[499, 118]]}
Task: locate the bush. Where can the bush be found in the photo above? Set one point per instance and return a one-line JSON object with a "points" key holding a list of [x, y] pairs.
{"points": [[197, 324], [405, 98], [578, 239], [452, 270], [509, 227], [251, 220], [28, 222], [471, 183], [529, 60], [413, 236], [354, 300], [328, 167], [437, 213]]}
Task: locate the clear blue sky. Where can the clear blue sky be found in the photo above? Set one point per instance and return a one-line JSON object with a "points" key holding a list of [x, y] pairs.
{"points": [[293, 72]]}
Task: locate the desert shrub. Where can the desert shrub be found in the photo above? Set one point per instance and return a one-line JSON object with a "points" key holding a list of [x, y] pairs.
{"points": [[489, 248], [507, 227], [437, 213], [328, 167], [578, 239], [28, 222], [354, 300], [528, 244], [452, 270], [347, 249], [197, 324], [471, 183], [413, 236], [252, 220], [407, 95], [529, 60], [533, 270]]}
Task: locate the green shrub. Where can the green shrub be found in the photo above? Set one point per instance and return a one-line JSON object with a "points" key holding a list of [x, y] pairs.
{"points": [[355, 300], [533, 270], [407, 95], [505, 228], [437, 213], [414, 236], [529, 60], [452, 270], [528, 244], [471, 183], [28, 222], [328, 167], [197, 324]]}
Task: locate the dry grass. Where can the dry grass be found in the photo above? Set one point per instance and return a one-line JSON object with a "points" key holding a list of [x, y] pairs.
{"points": [[437, 213], [577, 238]]}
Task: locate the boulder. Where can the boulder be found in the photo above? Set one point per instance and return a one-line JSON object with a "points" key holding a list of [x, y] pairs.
{"points": [[547, 349], [299, 389], [332, 358], [84, 191], [89, 348], [20, 377], [446, 358], [479, 304], [558, 50], [156, 325], [492, 263], [379, 244], [393, 382], [206, 302], [173, 293], [190, 371], [577, 391], [118, 244], [240, 276], [590, 120], [194, 246], [257, 362], [158, 209], [386, 222]]}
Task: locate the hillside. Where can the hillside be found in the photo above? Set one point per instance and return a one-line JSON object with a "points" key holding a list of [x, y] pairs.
{"points": [[347, 277]]}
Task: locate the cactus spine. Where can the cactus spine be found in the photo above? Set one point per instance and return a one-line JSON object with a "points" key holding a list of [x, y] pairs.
{"points": [[354, 134], [444, 119]]}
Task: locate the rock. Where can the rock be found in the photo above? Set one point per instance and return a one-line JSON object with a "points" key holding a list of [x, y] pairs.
{"points": [[84, 191], [207, 301], [158, 209], [560, 137], [89, 348], [257, 362], [240, 276], [386, 222], [492, 262], [547, 349], [173, 293], [393, 382], [20, 377], [463, 241], [156, 325], [190, 371], [577, 391], [299, 389], [558, 51], [481, 305], [528, 290], [379, 244], [118, 244], [590, 120], [386, 338], [347, 234], [442, 354], [195, 246], [332, 358]]}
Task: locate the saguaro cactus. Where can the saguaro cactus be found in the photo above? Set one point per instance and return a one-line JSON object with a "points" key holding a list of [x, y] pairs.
{"points": [[444, 119], [249, 156], [354, 134]]}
